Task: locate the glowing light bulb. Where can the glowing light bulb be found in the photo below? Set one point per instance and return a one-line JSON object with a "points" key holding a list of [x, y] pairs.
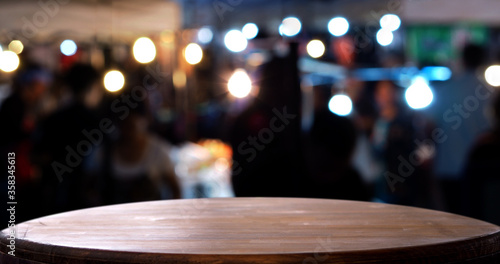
{"points": [[316, 48], [239, 84], [193, 53], [68, 47], [419, 95], [390, 22], [114, 81], [492, 75], [16, 46], [144, 50], [250, 30], [205, 35], [340, 104], [290, 26], [338, 26], [235, 41], [9, 61], [384, 37]]}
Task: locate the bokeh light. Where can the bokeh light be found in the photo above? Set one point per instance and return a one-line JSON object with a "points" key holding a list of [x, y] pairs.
{"points": [[436, 73], [205, 35], [235, 41], [390, 22], [114, 81], [68, 47], [250, 30], [144, 50], [384, 37], [9, 61], [492, 75], [340, 104], [256, 59], [16, 46], [419, 95], [315, 48], [290, 26], [167, 36], [239, 84], [179, 79], [338, 26], [193, 53]]}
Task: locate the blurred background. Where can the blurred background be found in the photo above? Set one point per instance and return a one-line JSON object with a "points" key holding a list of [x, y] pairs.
{"points": [[392, 101]]}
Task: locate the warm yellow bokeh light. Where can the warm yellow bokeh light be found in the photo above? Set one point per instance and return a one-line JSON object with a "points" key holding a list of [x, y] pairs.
{"points": [[256, 59], [167, 36], [179, 79], [316, 48], [114, 81], [9, 61], [144, 50], [239, 84], [16, 46], [193, 53]]}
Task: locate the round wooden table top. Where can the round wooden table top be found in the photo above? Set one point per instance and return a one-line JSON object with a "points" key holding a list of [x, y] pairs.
{"points": [[254, 230]]}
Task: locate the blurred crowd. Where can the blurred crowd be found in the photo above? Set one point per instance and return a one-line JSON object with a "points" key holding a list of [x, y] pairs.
{"points": [[444, 157], [76, 146], [73, 151]]}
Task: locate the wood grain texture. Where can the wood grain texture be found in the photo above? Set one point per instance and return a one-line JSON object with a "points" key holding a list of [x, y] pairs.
{"points": [[254, 230]]}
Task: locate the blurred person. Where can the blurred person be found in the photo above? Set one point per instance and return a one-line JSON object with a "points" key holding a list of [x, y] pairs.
{"points": [[364, 116], [364, 106], [328, 150], [392, 140], [482, 177], [19, 115], [19, 112], [461, 121], [266, 136], [140, 166], [64, 159]]}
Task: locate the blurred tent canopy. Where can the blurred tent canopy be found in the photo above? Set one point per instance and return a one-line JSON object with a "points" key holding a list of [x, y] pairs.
{"points": [[126, 19], [85, 19]]}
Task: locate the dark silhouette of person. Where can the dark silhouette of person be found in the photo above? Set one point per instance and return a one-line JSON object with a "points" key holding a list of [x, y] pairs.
{"points": [[328, 150], [140, 166], [392, 139], [482, 174], [461, 124], [19, 115], [266, 137], [19, 110], [406, 177], [64, 149]]}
